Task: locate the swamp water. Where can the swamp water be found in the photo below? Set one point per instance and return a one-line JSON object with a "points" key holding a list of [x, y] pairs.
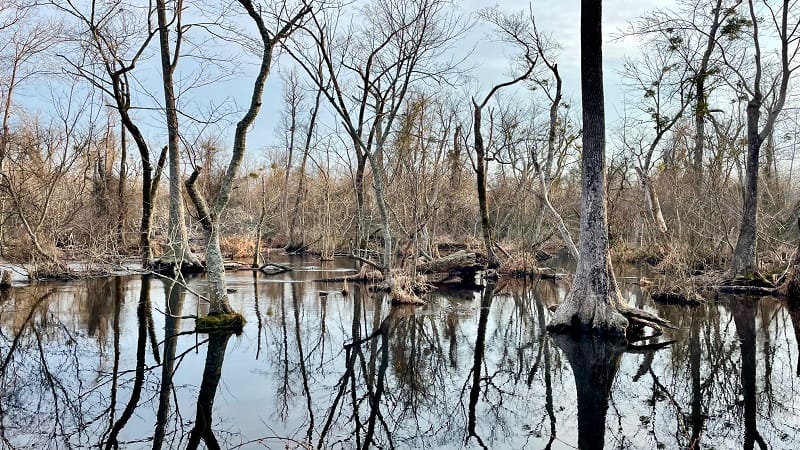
{"points": [[96, 363]]}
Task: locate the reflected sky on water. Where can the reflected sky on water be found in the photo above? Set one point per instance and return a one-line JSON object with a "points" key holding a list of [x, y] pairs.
{"points": [[109, 363]]}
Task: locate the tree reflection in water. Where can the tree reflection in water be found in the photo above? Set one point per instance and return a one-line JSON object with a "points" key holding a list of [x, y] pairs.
{"points": [[469, 370], [215, 356], [594, 362]]}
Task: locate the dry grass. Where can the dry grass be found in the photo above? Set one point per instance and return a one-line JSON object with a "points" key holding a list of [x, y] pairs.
{"points": [[237, 246], [519, 266]]}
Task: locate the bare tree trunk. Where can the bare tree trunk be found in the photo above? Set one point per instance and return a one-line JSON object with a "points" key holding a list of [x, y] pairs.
{"points": [[480, 174], [209, 218], [260, 225], [298, 242], [123, 175], [745, 261], [562, 227], [383, 209], [178, 253], [593, 299], [744, 256], [653, 204], [701, 96]]}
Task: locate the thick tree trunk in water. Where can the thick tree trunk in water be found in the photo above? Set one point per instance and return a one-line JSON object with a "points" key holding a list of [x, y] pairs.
{"points": [[744, 256], [483, 201], [215, 268], [593, 300], [791, 286], [383, 209], [594, 362], [178, 251], [745, 261]]}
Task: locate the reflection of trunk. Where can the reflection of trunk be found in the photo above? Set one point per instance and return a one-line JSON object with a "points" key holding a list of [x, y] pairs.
{"points": [[548, 377], [138, 382], [296, 304], [475, 389], [217, 342], [744, 316], [375, 398], [175, 297], [118, 297], [348, 376], [794, 314], [697, 416], [594, 363]]}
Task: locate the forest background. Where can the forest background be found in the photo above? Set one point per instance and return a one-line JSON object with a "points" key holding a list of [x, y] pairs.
{"points": [[393, 131]]}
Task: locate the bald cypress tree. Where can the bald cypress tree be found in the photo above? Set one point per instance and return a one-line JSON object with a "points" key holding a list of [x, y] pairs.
{"points": [[594, 300]]}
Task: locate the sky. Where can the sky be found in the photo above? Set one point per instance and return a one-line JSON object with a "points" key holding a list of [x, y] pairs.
{"points": [[489, 60]]}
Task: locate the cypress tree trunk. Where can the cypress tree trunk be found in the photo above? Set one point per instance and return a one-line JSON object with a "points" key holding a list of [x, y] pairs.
{"points": [[592, 302]]}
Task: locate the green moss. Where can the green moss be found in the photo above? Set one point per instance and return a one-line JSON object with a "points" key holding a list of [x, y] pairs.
{"points": [[216, 323]]}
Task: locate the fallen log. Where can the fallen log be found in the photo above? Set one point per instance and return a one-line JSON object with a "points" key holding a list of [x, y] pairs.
{"points": [[458, 261], [274, 268]]}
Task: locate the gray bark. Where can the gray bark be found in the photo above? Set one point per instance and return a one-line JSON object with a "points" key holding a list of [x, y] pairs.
{"points": [[594, 298], [178, 252], [701, 96], [209, 218], [745, 261]]}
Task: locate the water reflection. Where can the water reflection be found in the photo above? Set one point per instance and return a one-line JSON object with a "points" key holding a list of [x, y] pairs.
{"points": [[109, 363]]}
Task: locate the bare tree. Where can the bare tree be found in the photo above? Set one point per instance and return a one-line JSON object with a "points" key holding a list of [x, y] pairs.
{"points": [[286, 22], [178, 256], [365, 72], [657, 77], [26, 37], [594, 299], [761, 99], [512, 28], [113, 46]]}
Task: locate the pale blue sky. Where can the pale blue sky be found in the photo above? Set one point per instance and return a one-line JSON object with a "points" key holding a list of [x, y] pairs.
{"points": [[490, 62], [490, 59]]}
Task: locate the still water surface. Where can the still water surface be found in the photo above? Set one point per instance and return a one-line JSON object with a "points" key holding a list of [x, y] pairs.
{"points": [[97, 363]]}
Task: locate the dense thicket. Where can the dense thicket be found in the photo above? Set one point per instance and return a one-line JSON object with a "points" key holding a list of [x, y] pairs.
{"points": [[376, 150]]}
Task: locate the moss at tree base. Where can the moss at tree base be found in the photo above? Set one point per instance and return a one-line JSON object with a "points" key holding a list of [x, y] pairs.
{"points": [[221, 322]]}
